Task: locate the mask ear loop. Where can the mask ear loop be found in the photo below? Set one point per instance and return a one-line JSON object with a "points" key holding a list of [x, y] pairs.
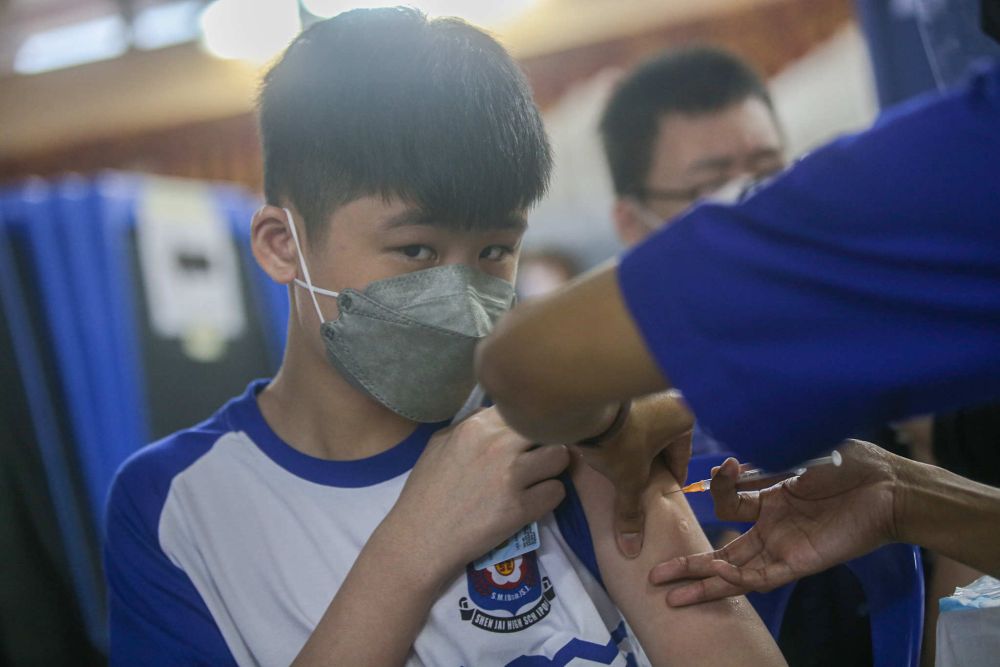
{"points": [[651, 221], [305, 269]]}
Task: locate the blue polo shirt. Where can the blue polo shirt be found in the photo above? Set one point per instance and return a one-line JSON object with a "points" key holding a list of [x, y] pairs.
{"points": [[860, 287]]}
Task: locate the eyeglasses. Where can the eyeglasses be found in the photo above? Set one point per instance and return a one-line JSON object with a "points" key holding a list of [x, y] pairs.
{"points": [[685, 195]]}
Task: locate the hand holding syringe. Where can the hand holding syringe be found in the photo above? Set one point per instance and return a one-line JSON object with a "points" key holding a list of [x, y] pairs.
{"points": [[834, 459]]}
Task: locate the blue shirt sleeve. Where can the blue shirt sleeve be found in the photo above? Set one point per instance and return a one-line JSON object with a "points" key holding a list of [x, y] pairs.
{"points": [[157, 617], [575, 529], [861, 286]]}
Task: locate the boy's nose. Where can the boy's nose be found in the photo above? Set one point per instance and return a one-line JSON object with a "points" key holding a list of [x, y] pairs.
{"points": [[460, 255]]}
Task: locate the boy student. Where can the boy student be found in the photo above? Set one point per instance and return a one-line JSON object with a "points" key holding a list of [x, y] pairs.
{"points": [[330, 516]]}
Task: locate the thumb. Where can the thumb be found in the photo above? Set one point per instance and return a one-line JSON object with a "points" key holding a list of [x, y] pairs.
{"points": [[731, 505], [630, 517]]}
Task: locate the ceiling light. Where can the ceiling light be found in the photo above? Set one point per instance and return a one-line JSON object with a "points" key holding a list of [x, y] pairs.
{"points": [[488, 13], [165, 25], [249, 31], [85, 42]]}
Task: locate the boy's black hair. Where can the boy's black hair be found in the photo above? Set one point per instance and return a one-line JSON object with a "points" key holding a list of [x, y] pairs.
{"points": [[691, 81], [386, 102]]}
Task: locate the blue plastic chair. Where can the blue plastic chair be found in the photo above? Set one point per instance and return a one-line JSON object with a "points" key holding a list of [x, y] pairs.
{"points": [[891, 577]]}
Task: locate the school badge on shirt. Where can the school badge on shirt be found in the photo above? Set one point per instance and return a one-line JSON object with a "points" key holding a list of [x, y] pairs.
{"points": [[508, 596]]}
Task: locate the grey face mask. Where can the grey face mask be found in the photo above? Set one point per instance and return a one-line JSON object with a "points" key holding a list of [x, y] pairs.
{"points": [[409, 341]]}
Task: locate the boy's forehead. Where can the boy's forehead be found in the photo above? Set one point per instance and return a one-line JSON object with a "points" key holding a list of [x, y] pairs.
{"points": [[411, 216], [383, 215]]}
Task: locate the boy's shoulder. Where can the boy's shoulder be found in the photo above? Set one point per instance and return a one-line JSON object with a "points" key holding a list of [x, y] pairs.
{"points": [[143, 481]]}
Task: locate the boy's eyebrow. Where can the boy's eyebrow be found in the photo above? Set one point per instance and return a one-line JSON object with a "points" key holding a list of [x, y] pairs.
{"points": [[418, 217]]}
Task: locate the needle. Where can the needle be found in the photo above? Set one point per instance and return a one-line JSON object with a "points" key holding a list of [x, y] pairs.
{"points": [[834, 459]]}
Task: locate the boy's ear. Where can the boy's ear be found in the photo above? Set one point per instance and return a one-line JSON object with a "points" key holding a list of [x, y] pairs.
{"points": [[273, 246]]}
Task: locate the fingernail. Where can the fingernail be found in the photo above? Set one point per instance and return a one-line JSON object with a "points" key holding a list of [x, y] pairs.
{"points": [[630, 544]]}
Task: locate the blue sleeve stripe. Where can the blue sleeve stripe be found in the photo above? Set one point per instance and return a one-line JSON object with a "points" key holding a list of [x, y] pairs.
{"points": [[602, 654], [157, 616], [575, 530]]}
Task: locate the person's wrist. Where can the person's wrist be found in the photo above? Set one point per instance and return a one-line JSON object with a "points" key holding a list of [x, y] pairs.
{"points": [[902, 479], [923, 495], [669, 415], [612, 429], [664, 418], [411, 541]]}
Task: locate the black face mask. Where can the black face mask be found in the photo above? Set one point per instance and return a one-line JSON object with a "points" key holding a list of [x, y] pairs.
{"points": [[989, 18]]}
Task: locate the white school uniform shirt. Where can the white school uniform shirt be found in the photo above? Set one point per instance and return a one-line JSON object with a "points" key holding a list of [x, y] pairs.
{"points": [[225, 546]]}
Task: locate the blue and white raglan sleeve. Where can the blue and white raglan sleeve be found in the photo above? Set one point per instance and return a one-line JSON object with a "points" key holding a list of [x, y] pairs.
{"points": [[860, 287], [157, 616]]}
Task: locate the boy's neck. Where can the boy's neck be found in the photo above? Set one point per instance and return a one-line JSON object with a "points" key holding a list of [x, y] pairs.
{"points": [[315, 410]]}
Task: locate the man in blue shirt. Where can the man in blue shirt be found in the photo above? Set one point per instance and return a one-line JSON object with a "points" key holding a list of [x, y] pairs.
{"points": [[860, 287]]}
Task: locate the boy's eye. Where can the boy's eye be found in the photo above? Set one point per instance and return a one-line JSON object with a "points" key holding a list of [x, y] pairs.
{"points": [[495, 252], [420, 253]]}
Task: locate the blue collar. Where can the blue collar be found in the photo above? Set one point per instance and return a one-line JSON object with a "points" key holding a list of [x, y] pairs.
{"points": [[245, 415]]}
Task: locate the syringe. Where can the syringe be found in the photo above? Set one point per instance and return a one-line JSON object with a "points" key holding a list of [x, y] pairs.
{"points": [[834, 459]]}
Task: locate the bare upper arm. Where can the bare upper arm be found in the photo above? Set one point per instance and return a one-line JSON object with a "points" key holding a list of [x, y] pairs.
{"points": [[715, 633]]}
